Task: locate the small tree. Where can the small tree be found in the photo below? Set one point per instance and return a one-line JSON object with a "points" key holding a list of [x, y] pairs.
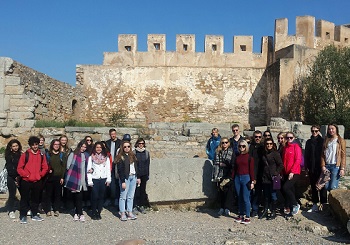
{"points": [[327, 88], [118, 118]]}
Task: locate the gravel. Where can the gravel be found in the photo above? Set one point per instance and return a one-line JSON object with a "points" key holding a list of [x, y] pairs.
{"points": [[169, 226]]}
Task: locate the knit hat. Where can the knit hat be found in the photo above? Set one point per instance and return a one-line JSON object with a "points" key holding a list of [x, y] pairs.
{"points": [[126, 137]]}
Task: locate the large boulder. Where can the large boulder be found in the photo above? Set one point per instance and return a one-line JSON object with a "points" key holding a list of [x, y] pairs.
{"points": [[339, 200]]}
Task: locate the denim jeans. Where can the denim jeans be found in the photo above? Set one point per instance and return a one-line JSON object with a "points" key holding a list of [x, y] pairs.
{"points": [[243, 193], [334, 181], [127, 194], [97, 195]]}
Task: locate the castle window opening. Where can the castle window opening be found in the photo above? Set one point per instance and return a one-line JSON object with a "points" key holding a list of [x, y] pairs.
{"points": [[157, 46], [74, 104], [128, 48], [243, 47], [214, 47], [346, 40], [185, 46], [328, 35]]}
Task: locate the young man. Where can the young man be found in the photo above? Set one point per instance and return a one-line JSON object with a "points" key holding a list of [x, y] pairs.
{"points": [[32, 167], [113, 144], [256, 150], [213, 143], [312, 158], [235, 138]]}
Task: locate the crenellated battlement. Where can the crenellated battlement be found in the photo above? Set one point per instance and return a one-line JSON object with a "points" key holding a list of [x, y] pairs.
{"points": [[186, 55], [311, 33]]}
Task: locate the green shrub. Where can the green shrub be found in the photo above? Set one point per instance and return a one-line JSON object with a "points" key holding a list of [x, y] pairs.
{"points": [[69, 123], [2, 150]]}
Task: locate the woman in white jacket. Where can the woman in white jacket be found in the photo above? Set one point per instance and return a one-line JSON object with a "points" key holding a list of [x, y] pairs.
{"points": [[99, 176]]}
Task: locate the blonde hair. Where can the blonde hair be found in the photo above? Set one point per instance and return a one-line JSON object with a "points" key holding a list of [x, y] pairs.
{"points": [[243, 142]]}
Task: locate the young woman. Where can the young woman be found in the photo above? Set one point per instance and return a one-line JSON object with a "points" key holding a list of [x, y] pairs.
{"points": [[292, 157], [281, 139], [75, 180], [273, 166], [333, 158], [127, 170], [143, 163], [99, 176], [224, 158], [90, 144], [64, 145], [53, 186], [12, 154], [244, 181]]}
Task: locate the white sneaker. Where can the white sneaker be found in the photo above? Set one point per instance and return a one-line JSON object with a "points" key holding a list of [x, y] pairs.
{"points": [[76, 217], [314, 208], [12, 215], [227, 212], [221, 211], [29, 213]]}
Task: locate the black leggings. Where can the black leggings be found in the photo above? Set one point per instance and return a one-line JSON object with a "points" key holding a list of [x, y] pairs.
{"points": [[288, 190], [11, 185], [78, 202]]}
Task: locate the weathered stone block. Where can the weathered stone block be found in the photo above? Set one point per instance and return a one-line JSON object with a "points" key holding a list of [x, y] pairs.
{"points": [[14, 90], [12, 80], [339, 200]]}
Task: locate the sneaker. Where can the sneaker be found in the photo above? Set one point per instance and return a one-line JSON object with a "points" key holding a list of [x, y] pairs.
{"points": [[286, 210], [135, 210], [37, 218], [76, 217], [82, 218], [227, 212], [48, 214], [314, 208], [245, 221], [238, 219], [131, 216], [296, 209], [56, 213], [221, 211], [142, 210], [12, 215], [23, 220], [29, 213], [254, 214], [123, 217]]}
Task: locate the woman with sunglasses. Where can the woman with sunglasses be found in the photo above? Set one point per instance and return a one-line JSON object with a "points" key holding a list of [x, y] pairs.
{"points": [[244, 181], [333, 158], [90, 144], [128, 178], [143, 162], [99, 176], [273, 166], [224, 158], [292, 158]]}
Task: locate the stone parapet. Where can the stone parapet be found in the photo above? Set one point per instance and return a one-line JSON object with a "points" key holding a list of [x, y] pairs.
{"points": [[339, 200]]}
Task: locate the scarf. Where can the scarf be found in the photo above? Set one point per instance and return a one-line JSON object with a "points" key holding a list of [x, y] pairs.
{"points": [[140, 150], [98, 158], [73, 177]]}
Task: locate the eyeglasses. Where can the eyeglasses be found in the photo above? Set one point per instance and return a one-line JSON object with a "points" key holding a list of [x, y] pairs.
{"points": [[126, 146], [225, 142], [290, 137], [241, 146], [88, 140], [265, 135], [314, 131], [234, 130], [257, 137], [269, 143]]}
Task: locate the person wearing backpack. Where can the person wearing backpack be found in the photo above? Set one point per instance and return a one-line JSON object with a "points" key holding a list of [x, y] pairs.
{"points": [[55, 178], [32, 167]]}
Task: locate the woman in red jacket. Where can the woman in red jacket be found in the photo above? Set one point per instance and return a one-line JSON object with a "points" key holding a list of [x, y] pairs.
{"points": [[292, 157]]}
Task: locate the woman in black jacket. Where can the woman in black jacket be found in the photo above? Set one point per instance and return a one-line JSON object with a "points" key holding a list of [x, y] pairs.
{"points": [[273, 166], [12, 154], [143, 162]]}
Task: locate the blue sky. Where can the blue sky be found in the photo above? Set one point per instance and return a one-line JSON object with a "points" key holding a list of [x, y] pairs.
{"points": [[54, 36]]}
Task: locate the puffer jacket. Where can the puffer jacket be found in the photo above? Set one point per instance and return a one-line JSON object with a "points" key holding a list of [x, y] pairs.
{"points": [[292, 158]]}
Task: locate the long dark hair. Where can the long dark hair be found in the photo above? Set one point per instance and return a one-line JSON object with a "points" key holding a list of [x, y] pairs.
{"points": [[51, 146], [104, 149], [274, 148], [121, 153], [80, 144], [8, 151]]}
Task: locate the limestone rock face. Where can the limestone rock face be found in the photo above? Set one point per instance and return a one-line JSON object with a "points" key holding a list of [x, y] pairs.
{"points": [[339, 200]]}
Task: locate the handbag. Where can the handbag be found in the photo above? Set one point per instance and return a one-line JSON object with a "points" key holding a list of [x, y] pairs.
{"points": [[276, 182], [3, 181]]}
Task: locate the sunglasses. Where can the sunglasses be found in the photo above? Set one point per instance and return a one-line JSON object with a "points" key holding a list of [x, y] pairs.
{"points": [[269, 143], [225, 142], [267, 135], [141, 143], [257, 137], [314, 131], [290, 137], [126, 146], [234, 130], [88, 140], [241, 146]]}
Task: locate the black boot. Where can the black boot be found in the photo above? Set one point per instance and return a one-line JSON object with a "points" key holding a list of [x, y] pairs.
{"points": [[265, 211], [273, 211]]}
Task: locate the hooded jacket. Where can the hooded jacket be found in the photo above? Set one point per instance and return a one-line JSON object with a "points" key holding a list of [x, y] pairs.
{"points": [[35, 168]]}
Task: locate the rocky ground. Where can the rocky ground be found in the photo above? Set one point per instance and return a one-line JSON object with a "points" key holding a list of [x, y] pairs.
{"points": [[169, 226]]}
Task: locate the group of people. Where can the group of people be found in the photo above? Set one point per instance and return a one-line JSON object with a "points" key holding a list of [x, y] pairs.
{"points": [[97, 173], [251, 171]]}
